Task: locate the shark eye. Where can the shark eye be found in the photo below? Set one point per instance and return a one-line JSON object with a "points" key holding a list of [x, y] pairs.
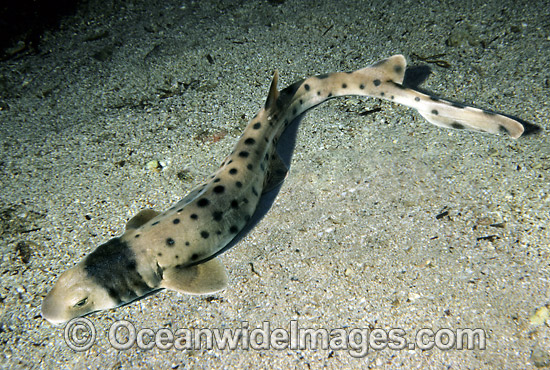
{"points": [[81, 303]]}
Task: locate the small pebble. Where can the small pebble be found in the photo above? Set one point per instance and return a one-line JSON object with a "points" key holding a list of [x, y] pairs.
{"points": [[540, 358], [540, 316]]}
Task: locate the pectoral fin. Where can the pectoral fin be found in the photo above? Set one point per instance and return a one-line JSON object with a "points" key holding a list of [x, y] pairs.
{"points": [[208, 277], [141, 218]]}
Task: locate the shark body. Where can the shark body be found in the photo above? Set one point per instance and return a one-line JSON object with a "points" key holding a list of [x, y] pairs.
{"points": [[177, 249]]}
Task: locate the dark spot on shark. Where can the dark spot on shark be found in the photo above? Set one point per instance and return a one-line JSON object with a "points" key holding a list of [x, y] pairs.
{"points": [[180, 210], [203, 202], [245, 201], [301, 101], [244, 154], [257, 126], [376, 82], [194, 216], [458, 126], [234, 204], [186, 244], [254, 191], [249, 166], [503, 129], [159, 254], [194, 257], [176, 221], [398, 69], [329, 95], [136, 236], [434, 98], [417, 99], [219, 189], [250, 141], [362, 86], [233, 229], [435, 112], [217, 180], [239, 184], [233, 171], [382, 93], [344, 86], [155, 223], [217, 215], [170, 242], [306, 86], [318, 93], [205, 234]]}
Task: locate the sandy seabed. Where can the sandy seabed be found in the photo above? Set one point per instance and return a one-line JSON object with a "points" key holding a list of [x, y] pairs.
{"points": [[384, 222]]}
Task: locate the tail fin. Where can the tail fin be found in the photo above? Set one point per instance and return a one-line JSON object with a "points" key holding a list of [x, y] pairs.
{"points": [[390, 73], [452, 115]]}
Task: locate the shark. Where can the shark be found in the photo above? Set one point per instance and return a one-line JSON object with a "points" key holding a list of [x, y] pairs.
{"points": [[178, 249]]}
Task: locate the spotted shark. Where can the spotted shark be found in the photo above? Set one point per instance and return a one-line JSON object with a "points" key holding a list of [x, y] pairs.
{"points": [[177, 249]]}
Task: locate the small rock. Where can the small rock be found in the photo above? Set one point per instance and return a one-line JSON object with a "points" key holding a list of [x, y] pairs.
{"points": [[155, 165], [540, 358], [540, 316]]}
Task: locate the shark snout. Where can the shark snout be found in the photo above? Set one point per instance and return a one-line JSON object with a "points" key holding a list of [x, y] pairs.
{"points": [[53, 311]]}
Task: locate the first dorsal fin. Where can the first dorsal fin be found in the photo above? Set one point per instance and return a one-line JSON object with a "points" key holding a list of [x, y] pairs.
{"points": [[273, 94]]}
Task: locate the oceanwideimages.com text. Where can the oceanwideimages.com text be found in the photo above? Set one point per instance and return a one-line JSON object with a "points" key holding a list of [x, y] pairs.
{"points": [[80, 335]]}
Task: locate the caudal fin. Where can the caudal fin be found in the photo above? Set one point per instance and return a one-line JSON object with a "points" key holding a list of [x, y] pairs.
{"points": [[452, 115]]}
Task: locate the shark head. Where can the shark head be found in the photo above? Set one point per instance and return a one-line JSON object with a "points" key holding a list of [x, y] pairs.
{"points": [[108, 277], [73, 295]]}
